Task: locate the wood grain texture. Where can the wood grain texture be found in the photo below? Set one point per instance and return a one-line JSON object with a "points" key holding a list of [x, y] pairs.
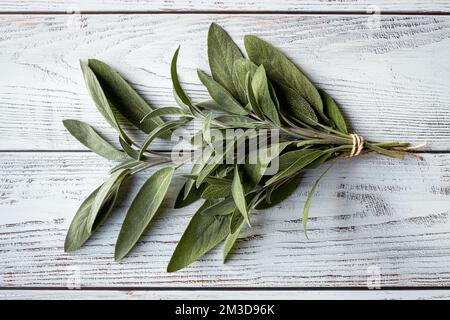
{"points": [[225, 5], [225, 295], [392, 80], [370, 212]]}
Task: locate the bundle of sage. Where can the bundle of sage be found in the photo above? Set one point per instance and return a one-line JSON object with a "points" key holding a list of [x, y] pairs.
{"points": [[281, 125]]}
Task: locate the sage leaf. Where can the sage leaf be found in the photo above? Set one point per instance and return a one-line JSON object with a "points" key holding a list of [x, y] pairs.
{"points": [[273, 95], [256, 171], [197, 168], [158, 132], [241, 68], [130, 151], [206, 125], [98, 96], [211, 105], [280, 193], [220, 95], [281, 70], [302, 161], [214, 192], [92, 140], [203, 233], [252, 99], [239, 122], [164, 111], [333, 112], [178, 93], [110, 186], [222, 53], [124, 98], [309, 201], [261, 91], [184, 199], [222, 208], [142, 210], [298, 107], [127, 164], [80, 231], [236, 225], [237, 190]]}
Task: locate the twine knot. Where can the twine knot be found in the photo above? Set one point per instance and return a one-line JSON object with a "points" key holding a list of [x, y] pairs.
{"points": [[358, 145]]}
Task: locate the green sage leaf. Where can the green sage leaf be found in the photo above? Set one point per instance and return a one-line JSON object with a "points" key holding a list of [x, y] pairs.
{"points": [[221, 208], [92, 140], [241, 68], [158, 132], [214, 192], [142, 210], [222, 53], [281, 70], [309, 201], [280, 193], [80, 231], [164, 111], [333, 112], [126, 164], [252, 99], [239, 122], [256, 171], [206, 125], [237, 190], [186, 198], [203, 233], [298, 107], [111, 185], [236, 225], [220, 95], [124, 98], [304, 158], [130, 151], [261, 91]]}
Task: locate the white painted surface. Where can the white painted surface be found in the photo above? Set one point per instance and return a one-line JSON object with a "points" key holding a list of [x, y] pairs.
{"points": [[226, 295], [392, 81], [226, 5], [369, 213]]}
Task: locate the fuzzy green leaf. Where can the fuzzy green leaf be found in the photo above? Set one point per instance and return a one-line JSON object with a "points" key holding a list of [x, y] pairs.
{"points": [[280, 193], [241, 68], [304, 158], [309, 201], [213, 192], [124, 98], [142, 210], [282, 70], [203, 233], [192, 196], [222, 53], [80, 231], [261, 91], [237, 190], [333, 112], [297, 107], [92, 140], [220, 95]]}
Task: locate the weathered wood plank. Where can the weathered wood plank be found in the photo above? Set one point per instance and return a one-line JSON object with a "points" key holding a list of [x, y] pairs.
{"points": [[225, 5], [370, 213], [225, 295], [391, 79]]}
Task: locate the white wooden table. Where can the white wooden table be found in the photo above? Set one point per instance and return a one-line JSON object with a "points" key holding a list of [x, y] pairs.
{"points": [[390, 73]]}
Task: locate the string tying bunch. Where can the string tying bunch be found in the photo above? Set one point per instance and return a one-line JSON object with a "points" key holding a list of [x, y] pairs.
{"points": [[358, 145]]}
